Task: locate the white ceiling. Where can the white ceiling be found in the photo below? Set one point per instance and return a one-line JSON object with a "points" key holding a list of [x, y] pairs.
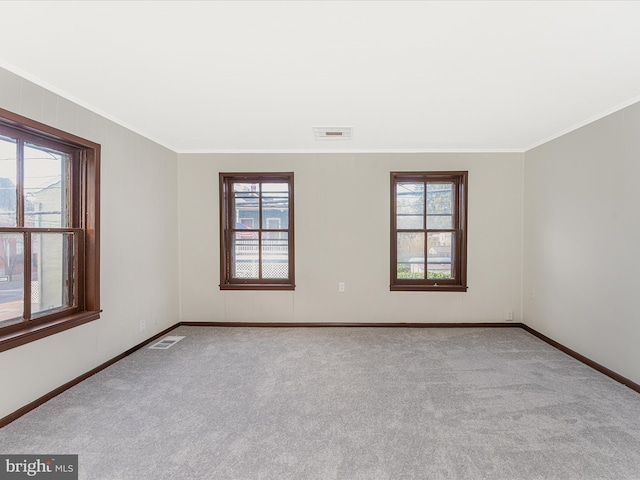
{"points": [[407, 76]]}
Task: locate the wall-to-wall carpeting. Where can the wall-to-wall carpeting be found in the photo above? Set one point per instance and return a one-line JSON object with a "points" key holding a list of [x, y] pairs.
{"points": [[342, 403]]}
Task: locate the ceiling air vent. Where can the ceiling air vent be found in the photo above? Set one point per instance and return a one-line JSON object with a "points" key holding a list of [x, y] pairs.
{"points": [[333, 133], [166, 342]]}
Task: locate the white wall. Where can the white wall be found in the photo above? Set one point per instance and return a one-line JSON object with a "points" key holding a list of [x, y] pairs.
{"points": [[581, 241], [342, 234], [139, 242]]}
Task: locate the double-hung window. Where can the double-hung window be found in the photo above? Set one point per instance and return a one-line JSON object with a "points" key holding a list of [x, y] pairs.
{"points": [[429, 231], [49, 263], [256, 231]]}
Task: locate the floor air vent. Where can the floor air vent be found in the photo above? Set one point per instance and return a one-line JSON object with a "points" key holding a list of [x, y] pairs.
{"points": [[166, 342]]}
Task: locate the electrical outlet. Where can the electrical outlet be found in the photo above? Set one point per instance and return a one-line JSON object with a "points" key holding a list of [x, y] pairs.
{"points": [[341, 287], [143, 324], [508, 315]]}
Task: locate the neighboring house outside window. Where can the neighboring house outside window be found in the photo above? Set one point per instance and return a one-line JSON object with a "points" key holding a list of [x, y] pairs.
{"points": [[429, 231], [49, 242], [256, 231]]}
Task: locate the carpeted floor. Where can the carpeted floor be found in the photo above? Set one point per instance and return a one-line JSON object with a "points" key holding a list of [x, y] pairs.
{"points": [[342, 403]]}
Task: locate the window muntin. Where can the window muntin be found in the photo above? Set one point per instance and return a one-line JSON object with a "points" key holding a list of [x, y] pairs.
{"points": [[49, 242], [428, 231], [256, 234]]}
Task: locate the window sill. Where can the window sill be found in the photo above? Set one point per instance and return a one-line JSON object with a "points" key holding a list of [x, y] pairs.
{"points": [[256, 286], [27, 332], [428, 288]]}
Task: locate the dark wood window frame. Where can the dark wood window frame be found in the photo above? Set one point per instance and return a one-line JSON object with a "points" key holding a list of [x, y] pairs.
{"points": [[228, 229], [458, 230], [83, 223]]}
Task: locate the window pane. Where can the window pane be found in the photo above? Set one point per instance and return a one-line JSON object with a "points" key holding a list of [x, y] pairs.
{"points": [[410, 256], [410, 198], [244, 251], [439, 255], [410, 222], [273, 224], [51, 272], [8, 182], [45, 187], [439, 222], [246, 210], [440, 205], [275, 257], [275, 206], [11, 278], [246, 187]]}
